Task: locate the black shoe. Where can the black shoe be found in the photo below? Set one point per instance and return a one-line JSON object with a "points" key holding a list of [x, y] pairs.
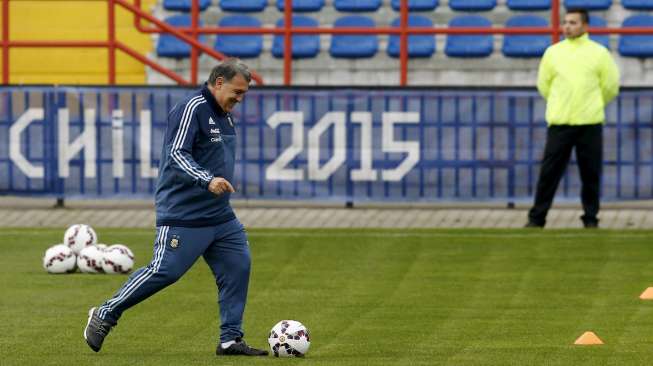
{"points": [[240, 348], [591, 224], [96, 330], [534, 224]]}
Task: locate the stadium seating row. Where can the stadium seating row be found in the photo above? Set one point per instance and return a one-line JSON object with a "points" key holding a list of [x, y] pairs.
{"points": [[413, 5], [419, 46]]}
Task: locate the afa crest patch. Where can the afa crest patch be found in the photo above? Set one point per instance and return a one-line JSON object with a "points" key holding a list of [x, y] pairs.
{"points": [[174, 242]]}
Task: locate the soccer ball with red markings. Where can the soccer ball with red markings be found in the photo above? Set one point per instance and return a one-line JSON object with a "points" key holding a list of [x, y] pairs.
{"points": [[59, 259], [79, 236], [90, 259], [118, 259], [289, 338]]}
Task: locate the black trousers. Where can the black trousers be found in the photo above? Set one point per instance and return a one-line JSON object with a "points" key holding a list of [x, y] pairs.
{"points": [[560, 140]]}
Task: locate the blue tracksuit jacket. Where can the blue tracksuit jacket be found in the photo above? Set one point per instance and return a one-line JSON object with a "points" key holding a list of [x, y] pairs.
{"points": [[199, 144]]}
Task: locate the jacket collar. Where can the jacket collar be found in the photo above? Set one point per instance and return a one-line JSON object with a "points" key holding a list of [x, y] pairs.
{"points": [[580, 40], [210, 100]]}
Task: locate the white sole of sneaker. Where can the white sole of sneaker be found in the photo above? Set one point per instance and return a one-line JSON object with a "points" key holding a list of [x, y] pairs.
{"points": [[90, 315]]}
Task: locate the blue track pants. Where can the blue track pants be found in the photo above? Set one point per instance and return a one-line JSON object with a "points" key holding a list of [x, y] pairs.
{"points": [[225, 249]]}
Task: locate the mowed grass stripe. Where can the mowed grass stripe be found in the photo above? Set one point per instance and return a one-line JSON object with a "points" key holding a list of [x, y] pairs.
{"points": [[524, 320], [605, 302], [438, 296], [502, 281], [615, 302], [499, 280]]}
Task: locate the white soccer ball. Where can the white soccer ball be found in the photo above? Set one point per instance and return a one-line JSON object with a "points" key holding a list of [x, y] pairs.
{"points": [[289, 338], [90, 260], [59, 259], [118, 259], [101, 246], [123, 249], [79, 236]]}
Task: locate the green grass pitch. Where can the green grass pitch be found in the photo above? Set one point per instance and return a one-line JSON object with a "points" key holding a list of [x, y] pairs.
{"points": [[369, 297]]}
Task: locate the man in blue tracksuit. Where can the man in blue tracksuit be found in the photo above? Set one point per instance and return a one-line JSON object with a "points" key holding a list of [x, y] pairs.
{"points": [[193, 214]]}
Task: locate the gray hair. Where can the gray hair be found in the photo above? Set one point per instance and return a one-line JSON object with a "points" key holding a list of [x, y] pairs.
{"points": [[227, 69]]}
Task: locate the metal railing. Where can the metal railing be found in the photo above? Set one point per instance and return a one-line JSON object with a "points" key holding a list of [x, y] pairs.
{"points": [[190, 36], [112, 44]]}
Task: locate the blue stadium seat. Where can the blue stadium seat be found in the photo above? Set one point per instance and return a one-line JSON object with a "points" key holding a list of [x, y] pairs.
{"points": [[416, 5], [302, 5], [604, 39], [184, 5], [243, 6], [588, 4], [637, 4], [529, 5], [171, 46], [245, 46], [527, 45], [303, 46], [357, 5], [479, 45], [353, 46], [472, 5], [636, 45], [418, 45]]}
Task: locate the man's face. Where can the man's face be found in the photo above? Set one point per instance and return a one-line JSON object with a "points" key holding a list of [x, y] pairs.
{"points": [[573, 26], [228, 93]]}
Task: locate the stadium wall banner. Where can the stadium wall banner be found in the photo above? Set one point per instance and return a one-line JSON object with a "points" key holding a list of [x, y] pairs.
{"points": [[319, 144]]}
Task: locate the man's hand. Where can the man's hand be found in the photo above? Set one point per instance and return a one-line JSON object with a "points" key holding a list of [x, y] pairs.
{"points": [[220, 185]]}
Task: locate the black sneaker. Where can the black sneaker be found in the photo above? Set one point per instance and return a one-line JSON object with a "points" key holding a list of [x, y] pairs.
{"points": [[96, 329], [591, 224], [533, 224], [240, 348]]}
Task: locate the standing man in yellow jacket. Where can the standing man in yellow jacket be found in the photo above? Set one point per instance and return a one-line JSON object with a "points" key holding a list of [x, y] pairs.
{"points": [[577, 78]]}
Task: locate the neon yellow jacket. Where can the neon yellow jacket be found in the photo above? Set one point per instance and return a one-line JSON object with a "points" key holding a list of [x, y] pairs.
{"points": [[578, 78]]}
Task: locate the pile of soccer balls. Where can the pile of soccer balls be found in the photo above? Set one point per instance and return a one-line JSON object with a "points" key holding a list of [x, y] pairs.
{"points": [[80, 249]]}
